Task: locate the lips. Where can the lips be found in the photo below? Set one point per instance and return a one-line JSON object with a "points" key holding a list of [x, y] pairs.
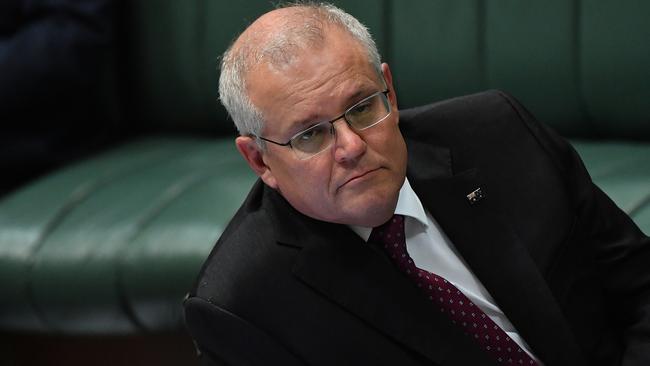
{"points": [[356, 177]]}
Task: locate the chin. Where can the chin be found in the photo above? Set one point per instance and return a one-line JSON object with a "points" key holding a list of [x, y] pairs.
{"points": [[372, 212]]}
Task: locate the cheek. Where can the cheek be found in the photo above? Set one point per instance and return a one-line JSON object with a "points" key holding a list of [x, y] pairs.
{"points": [[306, 185], [389, 143]]}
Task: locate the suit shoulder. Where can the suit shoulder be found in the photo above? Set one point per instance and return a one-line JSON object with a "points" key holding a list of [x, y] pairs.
{"points": [[489, 119], [457, 114], [244, 232], [250, 256], [467, 103], [488, 124]]}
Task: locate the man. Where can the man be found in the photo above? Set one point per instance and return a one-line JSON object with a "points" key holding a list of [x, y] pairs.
{"points": [[460, 233]]}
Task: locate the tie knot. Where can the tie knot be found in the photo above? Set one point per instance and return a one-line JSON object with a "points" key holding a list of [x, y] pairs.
{"points": [[388, 230], [390, 236]]}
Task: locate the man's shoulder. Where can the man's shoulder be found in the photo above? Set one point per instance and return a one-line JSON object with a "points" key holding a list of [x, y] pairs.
{"points": [[480, 123], [457, 115], [249, 248], [244, 233], [459, 104]]}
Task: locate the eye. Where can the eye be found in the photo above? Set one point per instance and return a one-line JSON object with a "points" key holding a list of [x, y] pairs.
{"points": [[314, 139], [309, 134], [360, 109]]}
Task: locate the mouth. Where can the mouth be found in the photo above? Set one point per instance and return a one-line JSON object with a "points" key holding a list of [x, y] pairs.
{"points": [[358, 178]]}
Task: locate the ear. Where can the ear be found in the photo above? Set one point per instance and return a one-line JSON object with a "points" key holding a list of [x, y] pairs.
{"points": [[254, 156], [388, 78]]}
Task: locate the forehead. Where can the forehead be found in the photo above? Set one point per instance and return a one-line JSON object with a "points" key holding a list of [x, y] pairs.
{"points": [[319, 83]]}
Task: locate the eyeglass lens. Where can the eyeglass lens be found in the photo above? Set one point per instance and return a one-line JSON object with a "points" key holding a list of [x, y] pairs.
{"points": [[362, 115]]}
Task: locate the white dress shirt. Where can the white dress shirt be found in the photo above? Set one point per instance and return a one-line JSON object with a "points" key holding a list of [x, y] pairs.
{"points": [[432, 251]]}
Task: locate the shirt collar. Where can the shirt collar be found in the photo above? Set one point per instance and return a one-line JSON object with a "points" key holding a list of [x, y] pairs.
{"points": [[408, 205]]}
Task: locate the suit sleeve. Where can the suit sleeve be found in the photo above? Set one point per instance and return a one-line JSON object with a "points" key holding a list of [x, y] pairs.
{"points": [[224, 338], [621, 250]]}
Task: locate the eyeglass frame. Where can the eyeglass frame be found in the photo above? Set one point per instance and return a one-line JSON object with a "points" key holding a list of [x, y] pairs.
{"points": [[288, 143]]}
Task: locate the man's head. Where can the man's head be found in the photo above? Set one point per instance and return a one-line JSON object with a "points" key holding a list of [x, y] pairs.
{"points": [[299, 66]]}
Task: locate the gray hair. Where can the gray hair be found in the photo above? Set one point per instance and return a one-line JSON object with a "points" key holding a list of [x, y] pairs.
{"points": [[291, 37]]}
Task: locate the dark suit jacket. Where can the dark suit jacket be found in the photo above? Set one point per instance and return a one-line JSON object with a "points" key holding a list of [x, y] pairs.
{"points": [[568, 268]]}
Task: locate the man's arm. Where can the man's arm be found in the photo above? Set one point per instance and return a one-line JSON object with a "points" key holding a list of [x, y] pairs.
{"points": [[621, 251], [625, 257], [223, 338]]}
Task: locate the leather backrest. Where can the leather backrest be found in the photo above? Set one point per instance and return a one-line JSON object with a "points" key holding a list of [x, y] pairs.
{"points": [[171, 59], [580, 66]]}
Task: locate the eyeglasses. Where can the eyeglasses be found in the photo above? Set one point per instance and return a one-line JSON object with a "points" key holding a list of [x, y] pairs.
{"points": [[316, 139]]}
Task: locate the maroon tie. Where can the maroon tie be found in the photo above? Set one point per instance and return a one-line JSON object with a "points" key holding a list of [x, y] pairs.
{"points": [[448, 299]]}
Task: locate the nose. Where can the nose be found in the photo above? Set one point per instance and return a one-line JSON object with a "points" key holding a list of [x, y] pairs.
{"points": [[348, 145]]}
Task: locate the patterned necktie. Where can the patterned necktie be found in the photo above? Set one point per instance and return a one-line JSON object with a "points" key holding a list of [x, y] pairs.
{"points": [[446, 297]]}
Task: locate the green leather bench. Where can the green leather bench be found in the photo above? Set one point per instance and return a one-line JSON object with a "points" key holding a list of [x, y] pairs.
{"points": [[111, 244]]}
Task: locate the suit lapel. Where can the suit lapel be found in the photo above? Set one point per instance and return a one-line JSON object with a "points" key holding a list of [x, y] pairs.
{"points": [[499, 259], [362, 280]]}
